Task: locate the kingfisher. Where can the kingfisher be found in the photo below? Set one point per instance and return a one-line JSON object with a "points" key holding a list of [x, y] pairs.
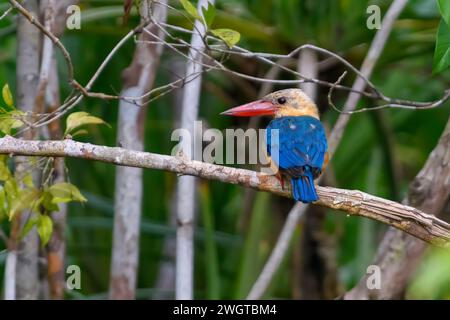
{"points": [[301, 150]]}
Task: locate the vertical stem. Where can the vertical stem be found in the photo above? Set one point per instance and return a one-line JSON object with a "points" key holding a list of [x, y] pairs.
{"points": [[28, 60], [138, 79], [166, 274], [186, 184], [316, 273], [307, 66], [56, 248]]}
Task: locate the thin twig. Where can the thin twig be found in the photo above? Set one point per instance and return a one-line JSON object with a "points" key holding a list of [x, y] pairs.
{"points": [[33, 20], [7, 11], [214, 64]]}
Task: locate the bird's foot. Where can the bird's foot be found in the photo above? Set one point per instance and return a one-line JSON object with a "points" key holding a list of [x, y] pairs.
{"points": [[279, 176]]}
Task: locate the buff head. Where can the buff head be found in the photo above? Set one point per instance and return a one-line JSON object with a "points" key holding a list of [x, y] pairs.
{"points": [[283, 103]]}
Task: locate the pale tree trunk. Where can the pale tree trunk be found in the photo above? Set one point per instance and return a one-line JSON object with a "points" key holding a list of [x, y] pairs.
{"points": [[54, 273], [187, 184], [165, 282], [25, 279], [316, 261], [47, 12], [399, 254], [138, 79], [56, 248]]}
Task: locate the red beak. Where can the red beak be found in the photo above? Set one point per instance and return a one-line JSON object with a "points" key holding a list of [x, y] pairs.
{"points": [[255, 108]]}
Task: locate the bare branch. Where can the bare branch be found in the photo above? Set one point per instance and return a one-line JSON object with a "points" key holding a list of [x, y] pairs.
{"points": [[367, 67], [215, 64], [353, 202], [33, 20]]}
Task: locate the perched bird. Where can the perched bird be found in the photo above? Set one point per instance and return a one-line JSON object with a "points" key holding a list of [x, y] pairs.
{"points": [[301, 151]]}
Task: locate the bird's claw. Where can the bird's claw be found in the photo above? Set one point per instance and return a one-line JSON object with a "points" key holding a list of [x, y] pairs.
{"points": [[279, 176]]}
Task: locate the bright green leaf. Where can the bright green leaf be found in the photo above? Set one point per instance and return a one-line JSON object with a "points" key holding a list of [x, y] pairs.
{"points": [[11, 188], [230, 37], [77, 119], [442, 50], [190, 9], [65, 192], [26, 199], [10, 120], [28, 226], [209, 14], [7, 96], [47, 202], [79, 132], [44, 228], [5, 174], [28, 180], [444, 8], [2, 203]]}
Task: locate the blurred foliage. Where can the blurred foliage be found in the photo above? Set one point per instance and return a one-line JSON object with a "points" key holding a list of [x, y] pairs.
{"points": [[235, 235], [18, 191]]}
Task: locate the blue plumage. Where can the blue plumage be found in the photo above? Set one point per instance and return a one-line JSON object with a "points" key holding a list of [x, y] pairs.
{"points": [[299, 153]]}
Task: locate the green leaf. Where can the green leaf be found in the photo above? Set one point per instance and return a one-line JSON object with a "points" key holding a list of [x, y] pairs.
{"points": [[11, 188], [444, 8], [47, 202], [65, 192], [2, 203], [442, 50], [44, 228], [10, 120], [7, 96], [28, 226], [26, 199], [230, 37], [209, 14], [190, 9], [5, 174], [79, 132], [78, 119], [28, 180]]}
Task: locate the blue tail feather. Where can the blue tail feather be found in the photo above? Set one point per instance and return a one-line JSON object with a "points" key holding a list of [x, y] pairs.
{"points": [[303, 188]]}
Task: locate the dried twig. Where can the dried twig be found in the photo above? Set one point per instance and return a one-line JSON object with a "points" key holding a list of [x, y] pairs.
{"points": [[33, 20], [215, 64]]}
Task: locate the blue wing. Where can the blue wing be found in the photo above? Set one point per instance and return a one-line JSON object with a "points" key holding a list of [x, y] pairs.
{"points": [[301, 144]]}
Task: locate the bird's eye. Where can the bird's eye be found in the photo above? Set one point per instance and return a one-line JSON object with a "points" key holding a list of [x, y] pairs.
{"points": [[281, 100]]}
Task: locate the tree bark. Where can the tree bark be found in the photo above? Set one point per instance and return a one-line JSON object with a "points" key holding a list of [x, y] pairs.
{"points": [[56, 248], [28, 61], [138, 79], [353, 202], [187, 184], [315, 266]]}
